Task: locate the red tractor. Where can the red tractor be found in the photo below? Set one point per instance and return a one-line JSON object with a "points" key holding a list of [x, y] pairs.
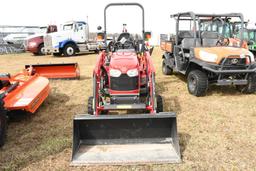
{"points": [[124, 79]]}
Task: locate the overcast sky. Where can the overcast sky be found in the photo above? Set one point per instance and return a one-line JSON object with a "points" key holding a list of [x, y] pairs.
{"points": [[157, 13]]}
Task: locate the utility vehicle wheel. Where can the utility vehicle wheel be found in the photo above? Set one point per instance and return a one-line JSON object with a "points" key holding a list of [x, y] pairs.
{"points": [[57, 54], [160, 106], [165, 69], [3, 125], [250, 87], [90, 105], [69, 50], [197, 83]]}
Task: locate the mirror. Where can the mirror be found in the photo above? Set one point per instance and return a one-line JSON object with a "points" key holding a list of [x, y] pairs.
{"points": [[99, 28]]}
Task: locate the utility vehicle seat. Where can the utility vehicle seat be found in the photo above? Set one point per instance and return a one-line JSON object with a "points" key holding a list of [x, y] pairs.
{"points": [[209, 38]]}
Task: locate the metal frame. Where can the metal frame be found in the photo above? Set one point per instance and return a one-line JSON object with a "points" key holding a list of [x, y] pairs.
{"points": [[196, 17], [123, 4]]}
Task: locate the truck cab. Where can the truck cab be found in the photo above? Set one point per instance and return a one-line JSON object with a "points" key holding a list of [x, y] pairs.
{"points": [[35, 43], [71, 39]]}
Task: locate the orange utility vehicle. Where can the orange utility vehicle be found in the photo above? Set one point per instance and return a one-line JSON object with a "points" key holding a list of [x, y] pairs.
{"points": [[206, 57], [23, 91]]}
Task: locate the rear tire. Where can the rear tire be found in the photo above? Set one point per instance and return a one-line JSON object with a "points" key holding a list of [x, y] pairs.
{"points": [[197, 83], [165, 69], [3, 125], [250, 87], [160, 106], [69, 50], [90, 105]]}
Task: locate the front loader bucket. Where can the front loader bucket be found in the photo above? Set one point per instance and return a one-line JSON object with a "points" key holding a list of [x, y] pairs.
{"points": [[57, 71], [125, 139]]}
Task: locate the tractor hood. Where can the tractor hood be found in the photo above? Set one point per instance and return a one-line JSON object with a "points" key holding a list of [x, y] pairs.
{"points": [[216, 54], [124, 61]]}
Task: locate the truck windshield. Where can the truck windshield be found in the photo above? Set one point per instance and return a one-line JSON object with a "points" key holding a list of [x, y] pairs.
{"points": [[68, 27]]}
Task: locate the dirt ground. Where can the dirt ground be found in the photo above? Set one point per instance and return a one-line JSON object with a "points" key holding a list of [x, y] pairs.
{"points": [[217, 132]]}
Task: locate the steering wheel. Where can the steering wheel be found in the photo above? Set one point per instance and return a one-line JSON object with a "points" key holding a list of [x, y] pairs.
{"points": [[223, 41], [118, 45], [128, 44]]}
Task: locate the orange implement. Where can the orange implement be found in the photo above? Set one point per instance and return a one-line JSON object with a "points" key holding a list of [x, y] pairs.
{"points": [[27, 92], [56, 71]]}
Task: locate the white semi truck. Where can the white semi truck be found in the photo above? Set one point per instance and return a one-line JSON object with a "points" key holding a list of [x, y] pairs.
{"points": [[72, 38]]}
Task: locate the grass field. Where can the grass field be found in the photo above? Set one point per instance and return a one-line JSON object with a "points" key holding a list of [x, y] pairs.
{"points": [[217, 132]]}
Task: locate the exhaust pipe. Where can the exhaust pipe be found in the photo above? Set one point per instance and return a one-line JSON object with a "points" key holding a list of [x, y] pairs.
{"points": [[125, 139]]}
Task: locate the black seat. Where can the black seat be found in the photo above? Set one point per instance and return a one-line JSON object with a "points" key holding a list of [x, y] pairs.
{"points": [[209, 38]]}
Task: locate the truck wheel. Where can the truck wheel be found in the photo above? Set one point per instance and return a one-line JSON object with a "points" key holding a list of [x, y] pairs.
{"points": [[250, 87], [3, 125], [160, 106], [90, 105], [165, 69], [197, 83], [40, 51], [69, 50]]}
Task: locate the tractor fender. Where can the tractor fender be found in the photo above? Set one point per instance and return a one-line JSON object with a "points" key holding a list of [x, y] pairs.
{"points": [[63, 43], [151, 68], [99, 63]]}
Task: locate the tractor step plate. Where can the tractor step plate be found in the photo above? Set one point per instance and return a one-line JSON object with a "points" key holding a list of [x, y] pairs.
{"points": [[125, 106]]}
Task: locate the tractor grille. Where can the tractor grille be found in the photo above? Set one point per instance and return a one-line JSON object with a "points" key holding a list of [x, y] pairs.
{"points": [[234, 63], [48, 41], [124, 83]]}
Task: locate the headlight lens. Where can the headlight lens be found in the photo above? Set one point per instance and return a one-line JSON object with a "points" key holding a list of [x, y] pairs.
{"points": [[115, 73], [32, 44], [132, 73], [209, 57]]}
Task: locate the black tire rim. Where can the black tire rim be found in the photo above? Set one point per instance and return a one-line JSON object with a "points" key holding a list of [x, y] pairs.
{"points": [[192, 83]]}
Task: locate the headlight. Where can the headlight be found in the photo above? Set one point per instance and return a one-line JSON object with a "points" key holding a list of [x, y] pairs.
{"points": [[208, 57], [132, 73], [251, 56], [32, 44], [115, 73]]}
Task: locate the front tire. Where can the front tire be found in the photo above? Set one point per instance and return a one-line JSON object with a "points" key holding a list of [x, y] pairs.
{"points": [[69, 50], [3, 125], [160, 106], [165, 69], [40, 50], [250, 87], [90, 105], [197, 83]]}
